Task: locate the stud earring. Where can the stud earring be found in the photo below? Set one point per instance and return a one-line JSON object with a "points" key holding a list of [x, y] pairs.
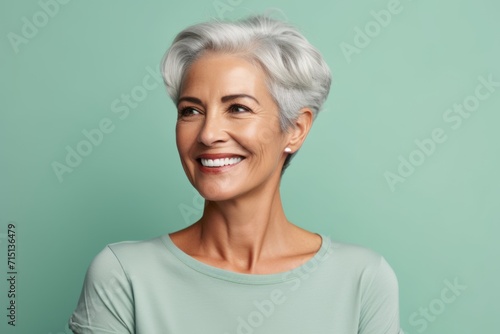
{"points": [[288, 150]]}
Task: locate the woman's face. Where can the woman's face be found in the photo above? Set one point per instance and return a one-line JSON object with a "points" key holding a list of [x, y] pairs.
{"points": [[228, 134]]}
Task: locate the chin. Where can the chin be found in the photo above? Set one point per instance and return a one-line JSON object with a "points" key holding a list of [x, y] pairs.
{"points": [[214, 192]]}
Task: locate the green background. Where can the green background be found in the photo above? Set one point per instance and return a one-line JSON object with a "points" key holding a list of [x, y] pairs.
{"points": [[441, 223]]}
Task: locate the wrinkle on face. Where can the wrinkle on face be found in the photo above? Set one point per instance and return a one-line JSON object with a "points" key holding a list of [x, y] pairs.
{"points": [[212, 85]]}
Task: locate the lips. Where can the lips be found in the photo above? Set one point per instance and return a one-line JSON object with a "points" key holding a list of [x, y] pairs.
{"points": [[219, 160]]}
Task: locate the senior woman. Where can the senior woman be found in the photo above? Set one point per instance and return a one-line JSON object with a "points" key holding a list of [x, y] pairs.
{"points": [[247, 93]]}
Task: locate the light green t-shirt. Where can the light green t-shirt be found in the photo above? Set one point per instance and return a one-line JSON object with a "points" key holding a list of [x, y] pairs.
{"points": [[152, 286]]}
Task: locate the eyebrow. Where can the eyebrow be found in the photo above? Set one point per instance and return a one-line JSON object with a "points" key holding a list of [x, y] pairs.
{"points": [[237, 96], [189, 99], [223, 99]]}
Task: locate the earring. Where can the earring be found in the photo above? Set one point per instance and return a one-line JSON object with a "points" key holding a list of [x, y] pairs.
{"points": [[288, 150]]}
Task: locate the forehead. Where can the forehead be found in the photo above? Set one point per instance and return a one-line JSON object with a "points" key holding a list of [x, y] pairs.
{"points": [[224, 72]]}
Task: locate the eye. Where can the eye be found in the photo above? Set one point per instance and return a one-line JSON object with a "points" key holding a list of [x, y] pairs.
{"points": [[188, 111], [238, 108]]}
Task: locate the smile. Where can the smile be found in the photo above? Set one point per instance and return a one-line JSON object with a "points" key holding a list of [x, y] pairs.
{"points": [[220, 162]]}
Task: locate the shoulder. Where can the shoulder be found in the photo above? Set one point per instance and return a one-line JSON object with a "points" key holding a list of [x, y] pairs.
{"points": [[360, 264], [356, 255], [365, 274], [120, 258], [136, 249], [106, 303], [374, 283]]}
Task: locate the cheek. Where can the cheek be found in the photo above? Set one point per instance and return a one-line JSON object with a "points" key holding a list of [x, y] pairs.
{"points": [[261, 138], [179, 142], [185, 135], [262, 132]]}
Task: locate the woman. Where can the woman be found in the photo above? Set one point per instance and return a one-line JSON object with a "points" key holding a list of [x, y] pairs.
{"points": [[247, 93]]}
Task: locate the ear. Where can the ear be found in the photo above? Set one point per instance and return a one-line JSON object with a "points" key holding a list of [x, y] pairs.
{"points": [[301, 128]]}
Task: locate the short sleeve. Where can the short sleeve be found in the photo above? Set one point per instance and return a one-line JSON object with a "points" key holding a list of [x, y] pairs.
{"points": [[380, 303], [106, 300]]}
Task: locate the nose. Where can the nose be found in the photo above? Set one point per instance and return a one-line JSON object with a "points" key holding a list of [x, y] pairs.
{"points": [[213, 129]]}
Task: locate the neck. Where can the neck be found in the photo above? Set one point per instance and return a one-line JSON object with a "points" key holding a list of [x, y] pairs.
{"points": [[245, 231]]}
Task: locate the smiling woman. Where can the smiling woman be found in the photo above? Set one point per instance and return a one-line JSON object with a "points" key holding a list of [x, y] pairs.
{"points": [[247, 93], [224, 108]]}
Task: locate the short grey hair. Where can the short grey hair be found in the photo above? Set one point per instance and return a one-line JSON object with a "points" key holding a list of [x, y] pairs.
{"points": [[297, 74]]}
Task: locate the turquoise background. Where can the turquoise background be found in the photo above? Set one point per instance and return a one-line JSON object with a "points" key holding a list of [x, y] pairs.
{"points": [[440, 225]]}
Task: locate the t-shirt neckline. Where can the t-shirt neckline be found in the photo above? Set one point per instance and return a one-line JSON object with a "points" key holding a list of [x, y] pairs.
{"points": [[242, 278]]}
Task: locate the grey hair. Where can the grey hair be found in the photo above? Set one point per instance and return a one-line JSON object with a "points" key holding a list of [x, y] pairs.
{"points": [[297, 74]]}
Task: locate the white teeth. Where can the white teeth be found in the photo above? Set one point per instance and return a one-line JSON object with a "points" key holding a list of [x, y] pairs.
{"points": [[219, 162]]}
